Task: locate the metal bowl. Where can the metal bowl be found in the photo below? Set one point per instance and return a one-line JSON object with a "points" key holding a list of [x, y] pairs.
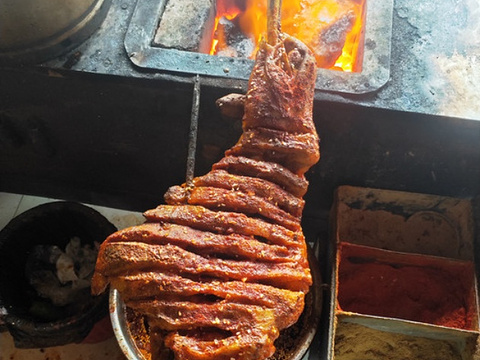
{"points": [[302, 333], [37, 30]]}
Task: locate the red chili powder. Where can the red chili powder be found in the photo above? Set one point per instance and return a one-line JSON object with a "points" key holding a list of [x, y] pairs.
{"points": [[419, 290]]}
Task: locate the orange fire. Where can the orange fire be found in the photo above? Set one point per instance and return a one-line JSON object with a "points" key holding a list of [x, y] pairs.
{"points": [[333, 29]]}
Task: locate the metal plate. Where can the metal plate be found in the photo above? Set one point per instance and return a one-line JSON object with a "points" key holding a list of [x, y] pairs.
{"points": [[376, 62]]}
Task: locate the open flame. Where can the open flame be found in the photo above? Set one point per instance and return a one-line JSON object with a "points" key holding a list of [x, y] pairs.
{"points": [[333, 29]]}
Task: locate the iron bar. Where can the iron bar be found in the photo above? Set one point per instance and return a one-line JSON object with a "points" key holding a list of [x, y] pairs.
{"points": [[192, 135]]}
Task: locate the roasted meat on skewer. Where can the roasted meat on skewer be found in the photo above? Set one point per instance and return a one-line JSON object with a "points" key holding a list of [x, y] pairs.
{"points": [[221, 268]]}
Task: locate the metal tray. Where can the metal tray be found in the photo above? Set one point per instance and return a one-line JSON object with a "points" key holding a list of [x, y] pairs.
{"points": [[378, 220]]}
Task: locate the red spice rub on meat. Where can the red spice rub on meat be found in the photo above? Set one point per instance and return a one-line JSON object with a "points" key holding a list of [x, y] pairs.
{"points": [[222, 268]]}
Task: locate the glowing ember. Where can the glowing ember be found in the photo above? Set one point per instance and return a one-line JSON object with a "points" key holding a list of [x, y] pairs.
{"points": [[333, 29]]}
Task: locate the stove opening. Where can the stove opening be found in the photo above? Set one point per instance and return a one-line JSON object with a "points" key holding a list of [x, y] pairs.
{"points": [[219, 38], [333, 29]]}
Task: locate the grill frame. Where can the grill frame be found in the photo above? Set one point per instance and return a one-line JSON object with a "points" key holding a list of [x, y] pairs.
{"points": [[375, 70]]}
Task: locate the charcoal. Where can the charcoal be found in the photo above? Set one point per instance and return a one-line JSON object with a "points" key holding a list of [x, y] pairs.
{"points": [[332, 39], [187, 25], [225, 27], [235, 42]]}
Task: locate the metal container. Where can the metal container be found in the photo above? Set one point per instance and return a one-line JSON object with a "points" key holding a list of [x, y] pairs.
{"points": [[401, 229], [36, 30], [305, 329], [404, 221], [410, 337]]}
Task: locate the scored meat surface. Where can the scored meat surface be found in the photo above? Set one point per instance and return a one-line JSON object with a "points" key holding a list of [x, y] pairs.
{"points": [[221, 268]]}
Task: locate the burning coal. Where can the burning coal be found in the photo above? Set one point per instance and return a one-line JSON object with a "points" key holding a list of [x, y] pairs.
{"points": [[333, 29]]}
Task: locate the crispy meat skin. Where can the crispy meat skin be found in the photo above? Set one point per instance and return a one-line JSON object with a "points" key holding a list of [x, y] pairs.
{"points": [[270, 192], [252, 328], [296, 152], [237, 201], [280, 97], [221, 269], [132, 257], [224, 222], [277, 174], [207, 243], [148, 285]]}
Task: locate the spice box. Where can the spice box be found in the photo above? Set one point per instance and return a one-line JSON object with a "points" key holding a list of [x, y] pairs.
{"points": [[403, 279]]}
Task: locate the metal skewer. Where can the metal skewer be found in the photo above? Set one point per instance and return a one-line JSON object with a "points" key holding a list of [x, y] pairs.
{"points": [[273, 31], [192, 135], [273, 20]]}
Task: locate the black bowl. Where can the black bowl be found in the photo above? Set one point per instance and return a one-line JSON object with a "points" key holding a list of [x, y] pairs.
{"points": [[53, 223]]}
